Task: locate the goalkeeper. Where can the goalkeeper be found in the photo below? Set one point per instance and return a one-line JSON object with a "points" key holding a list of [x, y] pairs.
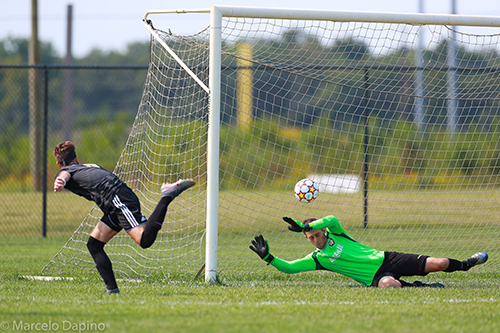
{"points": [[338, 252], [120, 205]]}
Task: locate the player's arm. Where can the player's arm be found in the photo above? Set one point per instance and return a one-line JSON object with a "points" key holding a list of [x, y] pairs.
{"points": [[330, 222], [261, 247], [296, 266], [61, 179]]}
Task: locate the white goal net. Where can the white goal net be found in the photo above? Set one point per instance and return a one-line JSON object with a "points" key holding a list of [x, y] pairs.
{"points": [[399, 123]]}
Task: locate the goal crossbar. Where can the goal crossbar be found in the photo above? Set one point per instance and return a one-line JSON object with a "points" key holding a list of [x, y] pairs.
{"points": [[341, 16]]}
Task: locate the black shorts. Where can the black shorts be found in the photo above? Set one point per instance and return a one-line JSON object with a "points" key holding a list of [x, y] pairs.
{"points": [[398, 264], [125, 212]]}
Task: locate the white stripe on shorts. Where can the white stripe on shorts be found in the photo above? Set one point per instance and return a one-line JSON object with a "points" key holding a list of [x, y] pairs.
{"points": [[126, 212]]}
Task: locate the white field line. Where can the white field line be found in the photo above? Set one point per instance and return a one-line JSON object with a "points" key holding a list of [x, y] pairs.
{"points": [[346, 303], [58, 278]]}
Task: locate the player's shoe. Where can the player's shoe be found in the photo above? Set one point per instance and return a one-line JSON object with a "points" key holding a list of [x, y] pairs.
{"points": [[112, 291], [428, 285], [477, 259], [174, 189]]}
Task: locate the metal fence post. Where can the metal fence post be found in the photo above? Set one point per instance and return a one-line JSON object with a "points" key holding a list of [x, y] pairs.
{"points": [[45, 147], [366, 158]]}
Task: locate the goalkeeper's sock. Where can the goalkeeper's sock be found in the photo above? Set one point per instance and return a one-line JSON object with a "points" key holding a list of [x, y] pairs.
{"points": [[456, 265], [155, 222], [405, 284], [102, 262], [420, 284]]}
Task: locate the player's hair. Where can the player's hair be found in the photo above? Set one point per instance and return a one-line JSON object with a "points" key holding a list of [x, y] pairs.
{"points": [[309, 220], [65, 152]]}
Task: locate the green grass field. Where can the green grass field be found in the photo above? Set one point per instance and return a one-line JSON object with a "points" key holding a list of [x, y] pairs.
{"points": [[308, 302], [268, 301]]}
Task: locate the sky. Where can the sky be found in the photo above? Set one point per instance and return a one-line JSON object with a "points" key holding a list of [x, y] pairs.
{"points": [[110, 25]]}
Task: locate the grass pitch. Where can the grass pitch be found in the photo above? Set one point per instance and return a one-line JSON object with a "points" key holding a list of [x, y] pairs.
{"points": [[267, 302], [309, 302]]}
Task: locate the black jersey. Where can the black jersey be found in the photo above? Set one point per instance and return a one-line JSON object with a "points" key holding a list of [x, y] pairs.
{"points": [[93, 183]]}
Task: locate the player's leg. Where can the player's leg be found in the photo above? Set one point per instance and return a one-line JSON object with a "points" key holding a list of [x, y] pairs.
{"points": [[389, 282], [398, 264], [126, 213], [154, 223], [464, 265], [436, 264], [101, 234], [453, 265]]}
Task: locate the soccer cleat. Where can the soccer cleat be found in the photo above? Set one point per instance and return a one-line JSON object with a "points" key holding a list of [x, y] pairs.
{"points": [[112, 291], [174, 189], [427, 285], [477, 259]]}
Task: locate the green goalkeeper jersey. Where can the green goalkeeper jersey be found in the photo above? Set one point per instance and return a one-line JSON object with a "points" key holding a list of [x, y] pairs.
{"points": [[341, 254]]}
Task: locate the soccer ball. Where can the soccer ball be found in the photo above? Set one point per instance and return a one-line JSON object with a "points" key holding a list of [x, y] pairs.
{"points": [[306, 190]]}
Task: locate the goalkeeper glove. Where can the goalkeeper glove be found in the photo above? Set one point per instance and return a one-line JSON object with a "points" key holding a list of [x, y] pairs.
{"points": [[261, 247], [296, 226]]}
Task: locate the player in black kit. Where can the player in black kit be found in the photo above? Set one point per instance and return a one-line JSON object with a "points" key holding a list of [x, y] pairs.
{"points": [[120, 205]]}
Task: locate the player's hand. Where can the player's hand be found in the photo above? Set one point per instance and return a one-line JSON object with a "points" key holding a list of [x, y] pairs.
{"points": [[261, 247], [59, 184], [296, 226]]}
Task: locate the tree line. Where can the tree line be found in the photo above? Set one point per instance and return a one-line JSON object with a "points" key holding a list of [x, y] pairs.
{"points": [[296, 78]]}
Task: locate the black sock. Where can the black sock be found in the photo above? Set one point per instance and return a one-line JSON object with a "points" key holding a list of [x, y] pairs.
{"points": [[102, 262], [456, 265], [154, 223], [415, 284], [405, 284]]}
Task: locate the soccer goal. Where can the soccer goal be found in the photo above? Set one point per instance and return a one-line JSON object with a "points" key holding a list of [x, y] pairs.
{"points": [[396, 116]]}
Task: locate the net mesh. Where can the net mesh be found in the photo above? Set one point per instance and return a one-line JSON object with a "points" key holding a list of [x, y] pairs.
{"points": [[167, 142], [398, 123]]}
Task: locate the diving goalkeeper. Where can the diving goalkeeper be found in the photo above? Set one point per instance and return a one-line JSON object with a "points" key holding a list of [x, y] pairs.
{"points": [[120, 205], [338, 252]]}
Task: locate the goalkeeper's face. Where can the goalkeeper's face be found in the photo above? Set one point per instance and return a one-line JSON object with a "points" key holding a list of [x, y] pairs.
{"points": [[317, 238]]}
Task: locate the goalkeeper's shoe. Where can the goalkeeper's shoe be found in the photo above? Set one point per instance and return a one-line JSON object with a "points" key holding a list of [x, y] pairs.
{"points": [[477, 259], [174, 189], [427, 285], [112, 291]]}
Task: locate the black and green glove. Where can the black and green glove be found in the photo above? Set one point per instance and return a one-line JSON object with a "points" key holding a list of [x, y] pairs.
{"points": [[296, 226], [261, 247]]}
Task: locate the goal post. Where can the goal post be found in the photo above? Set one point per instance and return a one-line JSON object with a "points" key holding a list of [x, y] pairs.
{"points": [[354, 100], [213, 145]]}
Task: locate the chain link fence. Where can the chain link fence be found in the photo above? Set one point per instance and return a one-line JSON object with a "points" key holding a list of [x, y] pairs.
{"points": [[40, 106]]}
